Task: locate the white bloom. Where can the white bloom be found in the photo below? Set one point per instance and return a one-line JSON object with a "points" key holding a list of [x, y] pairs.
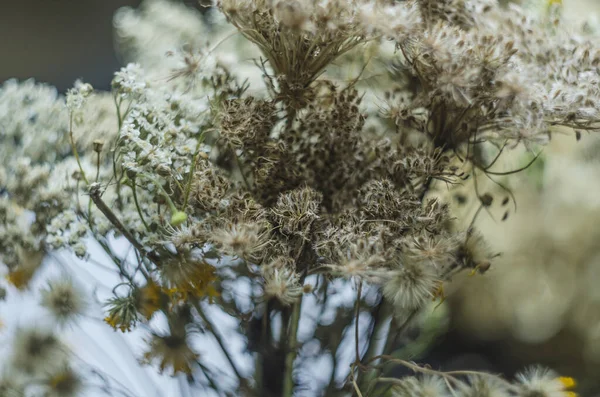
{"points": [[130, 81]]}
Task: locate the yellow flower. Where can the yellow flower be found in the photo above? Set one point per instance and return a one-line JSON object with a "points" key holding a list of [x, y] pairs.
{"points": [[114, 321], [64, 383], [568, 383], [190, 278], [122, 313], [20, 277], [171, 351], [29, 262], [149, 299]]}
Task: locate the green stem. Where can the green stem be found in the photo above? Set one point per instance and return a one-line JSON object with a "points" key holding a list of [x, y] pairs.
{"points": [[101, 205], [188, 187], [74, 148], [137, 204], [288, 385], [375, 348], [164, 193], [114, 151]]}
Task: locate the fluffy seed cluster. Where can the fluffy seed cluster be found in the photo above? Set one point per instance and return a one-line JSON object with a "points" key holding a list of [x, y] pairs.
{"points": [[311, 176]]}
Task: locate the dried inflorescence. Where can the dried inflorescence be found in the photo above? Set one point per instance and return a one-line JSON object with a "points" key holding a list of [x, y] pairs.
{"points": [[211, 182]]}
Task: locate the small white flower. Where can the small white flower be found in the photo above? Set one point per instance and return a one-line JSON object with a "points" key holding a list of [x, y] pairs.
{"points": [[129, 81]]}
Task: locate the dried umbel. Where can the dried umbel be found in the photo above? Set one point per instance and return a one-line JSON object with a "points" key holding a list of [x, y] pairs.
{"points": [[297, 210], [299, 39], [294, 190]]}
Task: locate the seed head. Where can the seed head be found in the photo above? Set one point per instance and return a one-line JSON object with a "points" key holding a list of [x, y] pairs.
{"points": [[63, 382], [281, 281], [411, 286], [63, 299], [542, 382], [424, 386], [36, 351], [244, 240]]}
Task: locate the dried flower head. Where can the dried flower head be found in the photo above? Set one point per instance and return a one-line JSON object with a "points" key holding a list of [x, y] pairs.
{"points": [[422, 386], [171, 351], [354, 256], [542, 382], [431, 250], [63, 299], [484, 386], [298, 39], [281, 281], [63, 382], [149, 299], [411, 285], [189, 276], [244, 240], [36, 351], [296, 211]]}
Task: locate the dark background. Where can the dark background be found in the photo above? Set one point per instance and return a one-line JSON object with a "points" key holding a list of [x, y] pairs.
{"points": [[58, 41]]}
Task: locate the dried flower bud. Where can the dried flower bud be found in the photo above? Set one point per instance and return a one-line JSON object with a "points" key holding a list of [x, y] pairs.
{"points": [[178, 218], [98, 144], [122, 313], [292, 14]]}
